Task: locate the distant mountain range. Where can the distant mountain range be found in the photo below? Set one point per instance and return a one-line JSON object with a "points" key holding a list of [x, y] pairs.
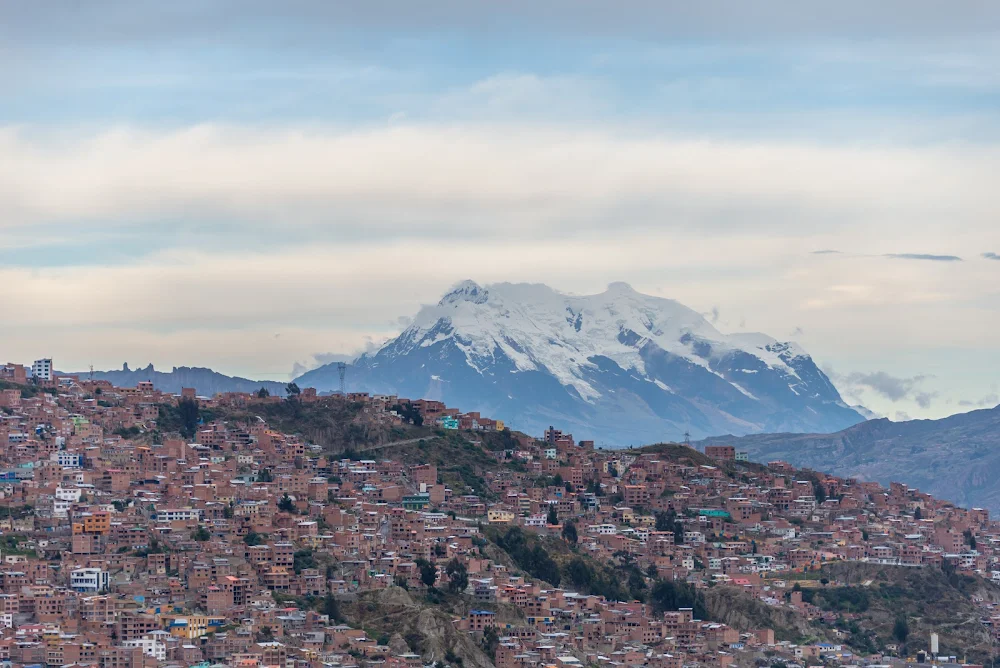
{"points": [[618, 367], [955, 458], [205, 381]]}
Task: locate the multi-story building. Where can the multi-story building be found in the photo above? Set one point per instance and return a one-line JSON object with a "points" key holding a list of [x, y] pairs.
{"points": [[42, 369], [89, 580]]}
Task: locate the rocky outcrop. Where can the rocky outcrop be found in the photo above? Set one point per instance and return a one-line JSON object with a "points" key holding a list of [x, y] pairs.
{"points": [[745, 613], [415, 627]]}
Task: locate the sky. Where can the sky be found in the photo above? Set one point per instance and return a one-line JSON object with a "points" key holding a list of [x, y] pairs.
{"points": [[259, 187]]}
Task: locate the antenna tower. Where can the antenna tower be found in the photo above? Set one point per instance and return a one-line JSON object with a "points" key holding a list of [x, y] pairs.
{"points": [[91, 373], [687, 438], [342, 370]]}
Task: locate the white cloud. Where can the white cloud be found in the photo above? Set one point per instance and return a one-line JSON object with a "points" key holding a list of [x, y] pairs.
{"points": [[423, 179]]}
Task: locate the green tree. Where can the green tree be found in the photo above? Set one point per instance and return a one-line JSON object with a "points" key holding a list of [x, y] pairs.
{"points": [[917, 513], [579, 573], [636, 584], [665, 521], [201, 534], [286, 504], [901, 629], [331, 608], [252, 538], [262, 393], [293, 391], [819, 491], [553, 518], [303, 559], [409, 413], [969, 538], [569, 532], [678, 533], [458, 576], [491, 641], [667, 595], [187, 412], [428, 572]]}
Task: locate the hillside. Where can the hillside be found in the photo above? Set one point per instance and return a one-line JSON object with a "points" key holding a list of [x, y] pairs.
{"points": [[870, 598], [329, 422], [617, 367], [205, 381], [956, 458], [339, 428], [27, 391], [409, 623]]}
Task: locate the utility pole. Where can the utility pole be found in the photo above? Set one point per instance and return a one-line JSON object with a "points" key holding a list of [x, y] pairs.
{"points": [[342, 370]]}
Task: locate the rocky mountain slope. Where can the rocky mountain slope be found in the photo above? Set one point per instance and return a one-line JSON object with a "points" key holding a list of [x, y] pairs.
{"points": [[619, 367], [955, 458]]}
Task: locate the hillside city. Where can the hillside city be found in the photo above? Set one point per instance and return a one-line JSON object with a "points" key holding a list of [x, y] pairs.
{"points": [[143, 528]]}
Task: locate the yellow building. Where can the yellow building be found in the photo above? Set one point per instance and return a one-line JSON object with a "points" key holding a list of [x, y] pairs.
{"points": [[499, 516], [190, 626]]}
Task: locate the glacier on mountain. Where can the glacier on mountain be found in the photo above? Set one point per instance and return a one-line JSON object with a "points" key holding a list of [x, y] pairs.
{"points": [[619, 366]]}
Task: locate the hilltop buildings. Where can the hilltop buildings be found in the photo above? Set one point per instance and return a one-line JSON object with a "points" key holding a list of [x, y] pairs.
{"points": [[127, 546]]}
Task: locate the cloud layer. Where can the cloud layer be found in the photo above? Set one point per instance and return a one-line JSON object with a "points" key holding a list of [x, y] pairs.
{"points": [[428, 178]]}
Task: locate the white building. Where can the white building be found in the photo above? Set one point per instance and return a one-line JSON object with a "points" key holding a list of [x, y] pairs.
{"points": [[177, 514], [42, 369], [65, 497], [67, 460], [60, 508], [602, 529], [153, 644], [89, 580]]}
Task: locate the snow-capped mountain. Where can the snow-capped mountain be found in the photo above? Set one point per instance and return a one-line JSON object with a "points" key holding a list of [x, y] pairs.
{"points": [[618, 367]]}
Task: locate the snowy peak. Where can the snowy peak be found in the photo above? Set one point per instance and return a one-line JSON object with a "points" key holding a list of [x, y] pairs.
{"points": [[466, 291], [533, 327], [614, 363]]}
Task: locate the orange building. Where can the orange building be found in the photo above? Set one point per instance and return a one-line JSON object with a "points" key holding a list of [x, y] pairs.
{"points": [[97, 522]]}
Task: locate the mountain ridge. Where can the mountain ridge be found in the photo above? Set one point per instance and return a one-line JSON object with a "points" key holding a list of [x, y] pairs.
{"points": [[955, 458], [205, 381], [612, 363]]}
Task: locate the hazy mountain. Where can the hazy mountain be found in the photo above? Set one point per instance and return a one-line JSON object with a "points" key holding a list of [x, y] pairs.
{"points": [[955, 458], [205, 381], [619, 367]]}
